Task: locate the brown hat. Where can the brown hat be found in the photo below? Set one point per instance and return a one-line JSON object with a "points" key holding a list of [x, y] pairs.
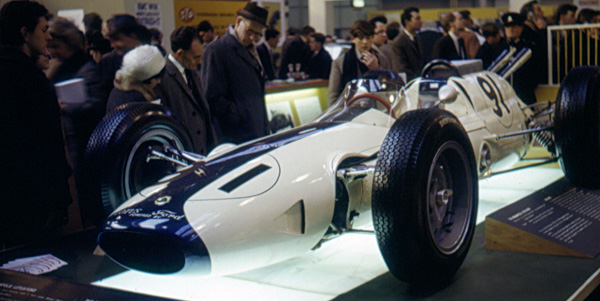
{"points": [[254, 13]]}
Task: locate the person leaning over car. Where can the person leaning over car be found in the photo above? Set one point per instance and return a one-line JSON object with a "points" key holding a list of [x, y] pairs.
{"points": [[233, 79], [180, 89], [356, 61], [33, 181], [140, 72]]}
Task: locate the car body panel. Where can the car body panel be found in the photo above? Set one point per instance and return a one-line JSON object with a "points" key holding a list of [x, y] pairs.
{"points": [[274, 198]]}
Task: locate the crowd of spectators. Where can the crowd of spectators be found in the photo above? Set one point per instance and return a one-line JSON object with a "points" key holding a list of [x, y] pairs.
{"points": [[215, 85]]}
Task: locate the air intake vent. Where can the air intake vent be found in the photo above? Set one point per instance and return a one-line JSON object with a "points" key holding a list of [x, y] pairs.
{"points": [[143, 252], [245, 177]]}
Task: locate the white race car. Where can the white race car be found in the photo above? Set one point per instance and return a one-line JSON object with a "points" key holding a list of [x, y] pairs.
{"points": [[404, 158]]}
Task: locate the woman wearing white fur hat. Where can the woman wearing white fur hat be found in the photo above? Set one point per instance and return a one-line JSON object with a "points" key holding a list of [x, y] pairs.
{"points": [[141, 70]]}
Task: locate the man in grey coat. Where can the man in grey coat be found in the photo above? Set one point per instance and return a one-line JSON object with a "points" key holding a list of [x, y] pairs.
{"points": [[406, 50], [180, 88], [233, 80]]}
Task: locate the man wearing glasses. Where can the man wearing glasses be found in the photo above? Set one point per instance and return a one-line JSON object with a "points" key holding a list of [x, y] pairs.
{"points": [[233, 79]]}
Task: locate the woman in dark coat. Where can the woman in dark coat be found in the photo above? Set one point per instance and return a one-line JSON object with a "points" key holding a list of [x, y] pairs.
{"points": [[141, 70]]}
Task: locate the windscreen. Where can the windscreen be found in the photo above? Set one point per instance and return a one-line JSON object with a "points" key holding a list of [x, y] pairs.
{"points": [[362, 95]]}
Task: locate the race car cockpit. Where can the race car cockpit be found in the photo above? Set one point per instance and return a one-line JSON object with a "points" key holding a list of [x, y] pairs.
{"points": [[379, 92]]}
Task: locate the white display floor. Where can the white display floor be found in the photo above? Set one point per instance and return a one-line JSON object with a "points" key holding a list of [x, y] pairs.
{"points": [[337, 267]]}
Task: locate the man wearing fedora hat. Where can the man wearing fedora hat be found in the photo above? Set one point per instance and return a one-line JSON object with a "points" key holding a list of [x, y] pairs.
{"points": [[233, 80]]}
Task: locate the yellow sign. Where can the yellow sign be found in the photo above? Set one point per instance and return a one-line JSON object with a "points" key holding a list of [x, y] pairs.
{"points": [[220, 14], [434, 14]]}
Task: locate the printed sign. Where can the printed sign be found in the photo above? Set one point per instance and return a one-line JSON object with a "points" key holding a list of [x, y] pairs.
{"points": [[593, 4], [148, 14], [73, 15], [35, 265], [21, 286], [559, 213]]}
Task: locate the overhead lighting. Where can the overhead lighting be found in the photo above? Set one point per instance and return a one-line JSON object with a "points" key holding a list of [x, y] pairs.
{"points": [[358, 3]]}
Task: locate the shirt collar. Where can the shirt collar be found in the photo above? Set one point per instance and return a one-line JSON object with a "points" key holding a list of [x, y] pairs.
{"points": [[179, 67], [358, 54], [412, 38], [453, 36], [233, 33]]}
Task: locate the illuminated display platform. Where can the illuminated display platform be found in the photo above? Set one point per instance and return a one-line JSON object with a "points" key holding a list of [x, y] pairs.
{"points": [[338, 267]]}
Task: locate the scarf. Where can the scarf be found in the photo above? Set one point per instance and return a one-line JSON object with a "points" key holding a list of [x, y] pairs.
{"points": [[351, 68]]}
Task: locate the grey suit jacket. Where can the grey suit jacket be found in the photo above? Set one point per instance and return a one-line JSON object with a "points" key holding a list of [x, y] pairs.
{"points": [[408, 55], [193, 114]]}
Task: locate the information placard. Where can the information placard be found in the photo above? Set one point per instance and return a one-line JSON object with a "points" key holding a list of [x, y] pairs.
{"points": [[21, 286], [558, 215]]}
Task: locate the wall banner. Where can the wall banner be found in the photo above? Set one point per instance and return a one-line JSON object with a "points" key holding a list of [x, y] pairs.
{"points": [[218, 13]]}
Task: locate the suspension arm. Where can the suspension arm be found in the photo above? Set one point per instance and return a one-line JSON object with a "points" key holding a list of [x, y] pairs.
{"points": [[523, 132]]}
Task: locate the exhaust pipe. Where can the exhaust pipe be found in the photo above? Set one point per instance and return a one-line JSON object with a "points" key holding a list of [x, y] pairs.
{"points": [[520, 59], [504, 58]]}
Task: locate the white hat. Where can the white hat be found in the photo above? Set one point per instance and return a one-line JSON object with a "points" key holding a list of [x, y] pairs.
{"points": [[140, 64]]}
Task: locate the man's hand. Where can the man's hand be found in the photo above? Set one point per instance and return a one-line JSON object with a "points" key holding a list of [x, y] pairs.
{"points": [[370, 60], [540, 23]]}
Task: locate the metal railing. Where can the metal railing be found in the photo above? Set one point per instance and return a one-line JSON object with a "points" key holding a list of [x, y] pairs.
{"points": [[571, 46]]}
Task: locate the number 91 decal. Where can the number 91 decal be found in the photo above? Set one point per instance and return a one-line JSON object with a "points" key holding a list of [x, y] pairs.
{"points": [[493, 94]]}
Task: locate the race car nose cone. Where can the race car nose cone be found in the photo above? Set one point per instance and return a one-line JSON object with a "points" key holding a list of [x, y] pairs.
{"points": [[154, 241]]}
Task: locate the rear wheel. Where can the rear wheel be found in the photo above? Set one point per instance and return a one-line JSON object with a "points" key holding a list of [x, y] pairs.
{"points": [[577, 126], [425, 196], [120, 151]]}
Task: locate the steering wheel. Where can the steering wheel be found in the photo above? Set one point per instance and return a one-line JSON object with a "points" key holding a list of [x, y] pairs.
{"points": [[437, 63], [377, 98]]}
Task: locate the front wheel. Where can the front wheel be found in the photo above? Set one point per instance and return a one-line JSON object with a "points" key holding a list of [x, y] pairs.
{"points": [[577, 126], [425, 196], [121, 148]]}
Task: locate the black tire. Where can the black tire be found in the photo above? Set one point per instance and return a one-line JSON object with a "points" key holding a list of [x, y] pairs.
{"points": [[119, 146], [577, 126], [425, 152]]}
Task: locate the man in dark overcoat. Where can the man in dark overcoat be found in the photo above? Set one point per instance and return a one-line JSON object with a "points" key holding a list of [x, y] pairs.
{"points": [[319, 65], [180, 88], [233, 79], [451, 46], [297, 53], [33, 181], [526, 78]]}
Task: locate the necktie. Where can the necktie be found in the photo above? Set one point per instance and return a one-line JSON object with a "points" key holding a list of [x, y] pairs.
{"points": [[192, 85]]}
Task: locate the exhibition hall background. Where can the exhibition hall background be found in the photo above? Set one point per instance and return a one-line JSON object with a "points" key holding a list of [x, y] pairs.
{"points": [[333, 17]]}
